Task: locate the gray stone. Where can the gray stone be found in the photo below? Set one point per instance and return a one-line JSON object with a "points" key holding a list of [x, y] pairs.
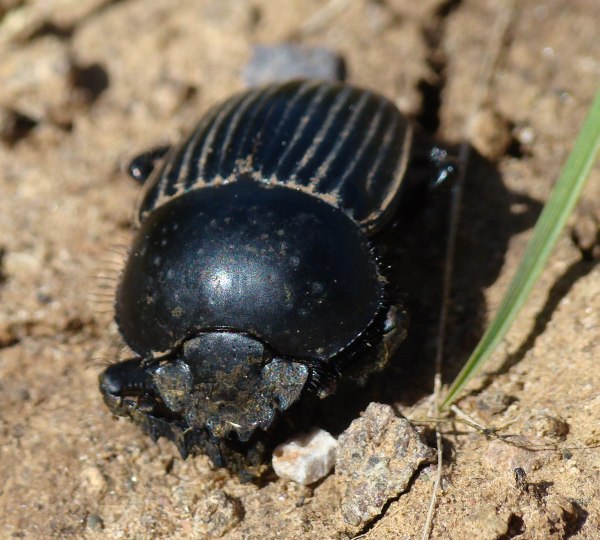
{"points": [[376, 458], [285, 61], [94, 522]]}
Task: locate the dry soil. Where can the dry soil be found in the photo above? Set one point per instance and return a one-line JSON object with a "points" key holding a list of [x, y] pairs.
{"points": [[85, 84]]}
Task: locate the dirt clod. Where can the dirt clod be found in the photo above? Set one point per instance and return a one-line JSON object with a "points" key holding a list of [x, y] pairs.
{"points": [[547, 427], [489, 521], [491, 134], [216, 514]]}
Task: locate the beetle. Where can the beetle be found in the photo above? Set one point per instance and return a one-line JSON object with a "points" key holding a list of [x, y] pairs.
{"points": [[258, 275]]}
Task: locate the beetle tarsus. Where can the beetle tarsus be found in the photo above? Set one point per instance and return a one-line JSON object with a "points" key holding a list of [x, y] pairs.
{"points": [[141, 166], [446, 166]]}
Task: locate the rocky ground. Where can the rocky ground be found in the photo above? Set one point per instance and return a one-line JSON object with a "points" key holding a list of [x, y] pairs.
{"points": [[85, 84]]}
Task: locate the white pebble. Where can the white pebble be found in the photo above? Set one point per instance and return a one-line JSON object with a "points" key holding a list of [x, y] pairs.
{"points": [[306, 457]]}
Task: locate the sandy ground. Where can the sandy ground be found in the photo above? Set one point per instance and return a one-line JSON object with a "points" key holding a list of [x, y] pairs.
{"points": [[85, 84]]}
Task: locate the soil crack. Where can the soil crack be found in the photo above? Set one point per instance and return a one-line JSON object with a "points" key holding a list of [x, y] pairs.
{"points": [[431, 89]]}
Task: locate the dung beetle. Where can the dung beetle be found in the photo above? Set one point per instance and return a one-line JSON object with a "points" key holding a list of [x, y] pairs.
{"points": [[258, 275]]}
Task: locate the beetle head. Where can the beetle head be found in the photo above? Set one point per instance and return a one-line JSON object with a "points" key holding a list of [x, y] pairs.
{"points": [[225, 382]]}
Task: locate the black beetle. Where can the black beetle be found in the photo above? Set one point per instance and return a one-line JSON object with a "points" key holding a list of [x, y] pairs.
{"points": [[258, 275]]}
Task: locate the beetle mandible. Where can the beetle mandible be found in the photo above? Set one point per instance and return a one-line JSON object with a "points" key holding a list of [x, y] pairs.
{"points": [[256, 277]]}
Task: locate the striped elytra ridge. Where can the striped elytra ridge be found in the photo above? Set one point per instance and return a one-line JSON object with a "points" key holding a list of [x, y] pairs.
{"points": [[346, 145]]}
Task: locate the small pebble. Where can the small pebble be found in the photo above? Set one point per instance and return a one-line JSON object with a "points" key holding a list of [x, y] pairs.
{"points": [[92, 479], [586, 230], [305, 458], [94, 522], [494, 403], [525, 135], [285, 61]]}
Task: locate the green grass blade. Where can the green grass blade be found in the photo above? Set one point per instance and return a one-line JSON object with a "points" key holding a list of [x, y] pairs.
{"points": [[546, 232]]}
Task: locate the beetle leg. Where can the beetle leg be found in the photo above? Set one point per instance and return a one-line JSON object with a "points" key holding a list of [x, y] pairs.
{"points": [[445, 165], [322, 380], [182, 447], [127, 388], [141, 166], [153, 431], [126, 377]]}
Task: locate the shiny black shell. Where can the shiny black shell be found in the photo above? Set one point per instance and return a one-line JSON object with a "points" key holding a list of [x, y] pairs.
{"points": [[254, 259], [256, 276]]}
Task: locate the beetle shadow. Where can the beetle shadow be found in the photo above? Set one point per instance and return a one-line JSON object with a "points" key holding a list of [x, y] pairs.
{"points": [[490, 216]]}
